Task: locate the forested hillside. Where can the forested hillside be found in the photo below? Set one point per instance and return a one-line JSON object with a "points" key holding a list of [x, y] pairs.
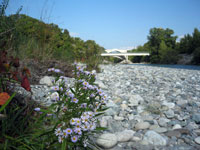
{"points": [[26, 37]]}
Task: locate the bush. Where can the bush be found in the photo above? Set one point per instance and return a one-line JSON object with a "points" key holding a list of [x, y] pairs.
{"points": [[169, 56], [154, 59], [136, 59], [196, 56]]}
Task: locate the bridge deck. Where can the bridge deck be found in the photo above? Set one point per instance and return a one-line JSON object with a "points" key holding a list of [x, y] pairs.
{"points": [[125, 54]]}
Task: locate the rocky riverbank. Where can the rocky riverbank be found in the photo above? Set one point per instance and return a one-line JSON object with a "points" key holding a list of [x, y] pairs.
{"points": [[150, 107]]}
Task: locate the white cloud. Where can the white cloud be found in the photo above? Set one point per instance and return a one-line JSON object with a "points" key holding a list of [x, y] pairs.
{"points": [[128, 48], [74, 34], [179, 38], [123, 48]]}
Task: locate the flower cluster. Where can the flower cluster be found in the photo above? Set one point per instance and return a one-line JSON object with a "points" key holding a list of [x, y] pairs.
{"points": [[78, 125], [76, 107]]}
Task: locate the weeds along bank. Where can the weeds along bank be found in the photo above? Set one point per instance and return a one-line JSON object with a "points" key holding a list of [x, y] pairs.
{"points": [[67, 123]]}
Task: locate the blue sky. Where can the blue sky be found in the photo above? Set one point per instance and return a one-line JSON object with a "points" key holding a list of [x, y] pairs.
{"points": [[114, 23]]}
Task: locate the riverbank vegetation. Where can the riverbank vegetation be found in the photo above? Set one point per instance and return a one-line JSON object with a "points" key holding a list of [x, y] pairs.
{"points": [[29, 38], [166, 48]]}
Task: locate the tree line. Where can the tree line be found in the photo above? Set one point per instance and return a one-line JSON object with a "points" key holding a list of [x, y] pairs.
{"points": [[165, 49]]}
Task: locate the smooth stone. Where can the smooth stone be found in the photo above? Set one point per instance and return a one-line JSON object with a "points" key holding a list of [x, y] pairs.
{"points": [[111, 104], [144, 142], [181, 102], [164, 108], [110, 112], [183, 131], [125, 135], [124, 102], [168, 104], [196, 118], [117, 100], [147, 118], [46, 80], [173, 122], [130, 116], [136, 139], [104, 121], [140, 109], [145, 113], [176, 126], [177, 132], [124, 106], [163, 122], [115, 126], [173, 133], [101, 85], [135, 100], [118, 118], [152, 127], [151, 137], [160, 130], [142, 125], [197, 132], [107, 140], [169, 114], [197, 140]]}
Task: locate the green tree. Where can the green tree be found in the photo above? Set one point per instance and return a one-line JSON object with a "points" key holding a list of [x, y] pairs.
{"points": [[92, 55], [185, 45], [196, 39], [157, 35], [167, 54]]}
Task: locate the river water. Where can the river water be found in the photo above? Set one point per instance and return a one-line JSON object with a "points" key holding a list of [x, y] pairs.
{"points": [[190, 67]]}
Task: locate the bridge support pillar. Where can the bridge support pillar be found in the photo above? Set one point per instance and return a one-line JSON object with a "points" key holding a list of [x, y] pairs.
{"points": [[126, 57]]}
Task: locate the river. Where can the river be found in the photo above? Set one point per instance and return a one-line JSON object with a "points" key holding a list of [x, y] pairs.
{"points": [[190, 67]]}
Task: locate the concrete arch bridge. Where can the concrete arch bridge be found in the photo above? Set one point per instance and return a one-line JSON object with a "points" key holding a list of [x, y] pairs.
{"points": [[125, 54]]}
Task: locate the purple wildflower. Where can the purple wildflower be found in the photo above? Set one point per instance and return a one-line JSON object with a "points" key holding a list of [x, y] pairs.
{"points": [[75, 100], [69, 131], [92, 95], [74, 139], [37, 109], [83, 105]]}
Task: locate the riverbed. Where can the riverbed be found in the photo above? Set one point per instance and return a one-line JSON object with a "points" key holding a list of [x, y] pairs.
{"points": [[151, 106]]}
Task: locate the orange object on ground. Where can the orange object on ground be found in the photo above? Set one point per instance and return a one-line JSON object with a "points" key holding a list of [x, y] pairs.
{"points": [[4, 97]]}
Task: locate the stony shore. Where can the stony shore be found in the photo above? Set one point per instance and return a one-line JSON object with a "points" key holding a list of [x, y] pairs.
{"points": [[150, 107]]}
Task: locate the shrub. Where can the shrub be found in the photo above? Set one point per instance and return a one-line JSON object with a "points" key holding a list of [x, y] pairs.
{"points": [[196, 56], [169, 56]]}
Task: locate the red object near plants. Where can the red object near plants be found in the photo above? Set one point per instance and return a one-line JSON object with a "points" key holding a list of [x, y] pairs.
{"points": [[9, 69], [25, 83], [3, 98]]}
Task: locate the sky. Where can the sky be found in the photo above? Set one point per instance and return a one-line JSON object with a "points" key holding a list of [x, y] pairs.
{"points": [[121, 24]]}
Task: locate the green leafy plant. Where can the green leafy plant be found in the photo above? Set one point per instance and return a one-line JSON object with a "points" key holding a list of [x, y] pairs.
{"points": [[72, 118]]}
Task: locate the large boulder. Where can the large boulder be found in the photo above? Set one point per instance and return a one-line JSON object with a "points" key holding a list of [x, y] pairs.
{"points": [[107, 140], [151, 137]]}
